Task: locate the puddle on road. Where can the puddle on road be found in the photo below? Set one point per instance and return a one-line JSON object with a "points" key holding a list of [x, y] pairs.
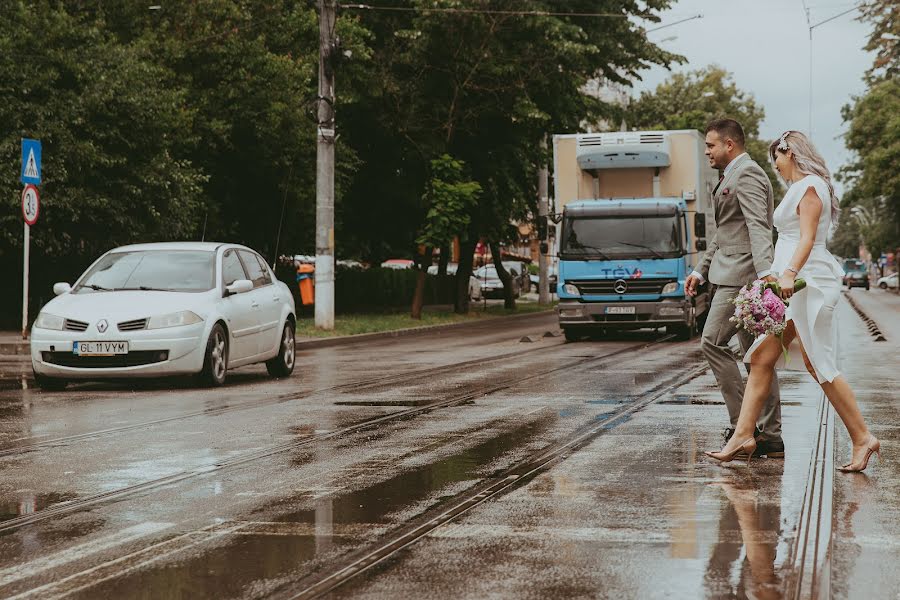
{"points": [[225, 566]]}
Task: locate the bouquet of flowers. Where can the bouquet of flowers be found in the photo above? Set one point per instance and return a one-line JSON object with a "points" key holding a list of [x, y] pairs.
{"points": [[759, 308]]}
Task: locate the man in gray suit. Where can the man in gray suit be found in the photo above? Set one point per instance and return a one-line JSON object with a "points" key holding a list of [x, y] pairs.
{"points": [[741, 250]]}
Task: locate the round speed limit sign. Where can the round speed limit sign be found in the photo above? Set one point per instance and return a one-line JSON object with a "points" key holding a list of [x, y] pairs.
{"points": [[31, 204]]}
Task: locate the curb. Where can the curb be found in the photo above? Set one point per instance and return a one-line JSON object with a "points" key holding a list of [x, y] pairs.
{"points": [[23, 348], [870, 323]]}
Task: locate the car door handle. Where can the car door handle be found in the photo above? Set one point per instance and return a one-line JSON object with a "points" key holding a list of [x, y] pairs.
{"points": [[276, 299], [254, 304]]}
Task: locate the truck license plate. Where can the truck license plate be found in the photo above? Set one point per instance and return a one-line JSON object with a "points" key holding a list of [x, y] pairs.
{"points": [[620, 310], [99, 348]]}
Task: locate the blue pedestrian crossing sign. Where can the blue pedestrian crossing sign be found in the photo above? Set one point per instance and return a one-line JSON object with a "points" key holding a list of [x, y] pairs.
{"points": [[31, 161]]}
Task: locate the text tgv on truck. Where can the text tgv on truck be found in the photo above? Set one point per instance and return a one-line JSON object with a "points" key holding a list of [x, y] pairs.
{"points": [[636, 213]]}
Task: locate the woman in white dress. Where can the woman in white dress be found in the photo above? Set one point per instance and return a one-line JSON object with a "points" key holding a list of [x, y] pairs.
{"points": [[803, 219]]}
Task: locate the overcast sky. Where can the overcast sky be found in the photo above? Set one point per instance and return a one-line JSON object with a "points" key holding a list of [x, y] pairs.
{"points": [[765, 45]]}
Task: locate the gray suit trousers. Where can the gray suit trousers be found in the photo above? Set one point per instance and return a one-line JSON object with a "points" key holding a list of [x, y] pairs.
{"points": [[717, 332]]}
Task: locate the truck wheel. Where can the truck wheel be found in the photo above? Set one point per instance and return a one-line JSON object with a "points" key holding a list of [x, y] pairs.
{"points": [[572, 334], [681, 332]]}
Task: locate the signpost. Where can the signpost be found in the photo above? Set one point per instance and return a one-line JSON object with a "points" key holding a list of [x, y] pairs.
{"points": [[31, 208]]}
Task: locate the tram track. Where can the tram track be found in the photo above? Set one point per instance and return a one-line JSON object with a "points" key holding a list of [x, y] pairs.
{"points": [[90, 501], [349, 387], [506, 481]]}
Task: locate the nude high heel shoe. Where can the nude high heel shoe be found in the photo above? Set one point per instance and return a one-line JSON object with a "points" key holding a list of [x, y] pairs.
{"points": [[873, 446], [749, 446]]}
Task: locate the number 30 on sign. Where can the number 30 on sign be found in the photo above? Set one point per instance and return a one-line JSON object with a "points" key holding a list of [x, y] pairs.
{"points": [[31, 204]]}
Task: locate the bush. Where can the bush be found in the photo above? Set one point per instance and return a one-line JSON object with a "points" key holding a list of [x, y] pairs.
{"points": [[357, 290]]}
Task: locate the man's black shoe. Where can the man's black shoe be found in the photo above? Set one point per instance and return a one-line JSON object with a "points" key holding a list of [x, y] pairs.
{"points": [[770, 448], [729, 432], [760, 445]]}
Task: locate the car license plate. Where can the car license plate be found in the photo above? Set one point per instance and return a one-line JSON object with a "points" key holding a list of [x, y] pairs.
{"points": [[99, 348], [620, 310]]}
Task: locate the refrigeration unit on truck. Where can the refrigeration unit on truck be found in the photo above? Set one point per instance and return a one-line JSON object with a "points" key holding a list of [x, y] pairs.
{"points": [[636, 215]]}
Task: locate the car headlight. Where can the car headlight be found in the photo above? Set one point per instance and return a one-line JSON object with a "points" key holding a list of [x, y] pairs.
{"points": [[177, 319], [670, 287], [48, 321], [571, 288]]}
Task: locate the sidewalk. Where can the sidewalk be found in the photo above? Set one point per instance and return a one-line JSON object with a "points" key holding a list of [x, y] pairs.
{"points": [[866, 523], [12, 345]]}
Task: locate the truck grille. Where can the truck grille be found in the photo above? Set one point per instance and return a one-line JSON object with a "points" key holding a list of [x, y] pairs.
{"points": [[596, 287], [73, 325]]}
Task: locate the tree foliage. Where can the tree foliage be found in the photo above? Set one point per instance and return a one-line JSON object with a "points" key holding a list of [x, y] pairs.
{"points": [[196, 120], [691, 100]]}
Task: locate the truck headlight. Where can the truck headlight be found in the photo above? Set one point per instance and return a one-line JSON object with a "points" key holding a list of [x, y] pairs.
{"points": [[48, 321], [571, 288], [670, 287], [177, 319], [671, 311]]}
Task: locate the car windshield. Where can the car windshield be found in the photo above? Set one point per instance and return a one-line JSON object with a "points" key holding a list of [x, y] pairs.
{"points": [[854, 265], [165, 270], [621, 237]]}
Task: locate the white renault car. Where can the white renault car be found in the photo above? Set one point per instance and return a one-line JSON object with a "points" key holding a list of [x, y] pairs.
{"points": [[153, 310]]}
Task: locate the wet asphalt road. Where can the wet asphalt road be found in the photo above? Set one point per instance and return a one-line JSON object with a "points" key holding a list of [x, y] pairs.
{"points": [[462, 464]]}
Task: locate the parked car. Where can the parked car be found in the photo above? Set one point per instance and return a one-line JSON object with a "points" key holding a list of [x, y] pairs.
{"points": [[485, 283], [551, 278], [519, 271], [152, 310], [888, 281], [857, 278], [451, 269], [398, 263]]}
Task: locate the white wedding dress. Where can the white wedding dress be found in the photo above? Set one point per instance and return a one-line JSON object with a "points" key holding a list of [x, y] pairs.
{"points": [[812, 308]]}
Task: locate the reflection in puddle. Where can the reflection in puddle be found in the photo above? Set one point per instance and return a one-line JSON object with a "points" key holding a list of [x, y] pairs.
{"points": [[29, 503], [742, 563]]}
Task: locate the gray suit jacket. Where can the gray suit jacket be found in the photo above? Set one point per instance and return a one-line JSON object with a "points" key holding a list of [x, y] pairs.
{"points": [[742, 245]]}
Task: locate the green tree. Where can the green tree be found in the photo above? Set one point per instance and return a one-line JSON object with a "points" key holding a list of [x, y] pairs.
{"points": [[116, 130], [486, 88], [884, 16], [691, 100], [872, 176], [450, 198]]}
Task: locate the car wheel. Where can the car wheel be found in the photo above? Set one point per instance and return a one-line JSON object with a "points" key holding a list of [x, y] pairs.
{"points": [[215, 362], [882, 285], [283, 364], [51, 384]]}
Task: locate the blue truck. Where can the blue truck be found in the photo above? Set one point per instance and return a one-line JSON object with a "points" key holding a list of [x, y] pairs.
{"points": [[636, 214]]}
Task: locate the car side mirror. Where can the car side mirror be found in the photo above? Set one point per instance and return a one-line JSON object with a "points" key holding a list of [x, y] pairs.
{"points": [[700, 245], [61, 288], [700, 225], [239, 287]]}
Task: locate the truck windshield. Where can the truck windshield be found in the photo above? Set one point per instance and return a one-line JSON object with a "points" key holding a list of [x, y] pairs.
{"points": [[621, 237]]}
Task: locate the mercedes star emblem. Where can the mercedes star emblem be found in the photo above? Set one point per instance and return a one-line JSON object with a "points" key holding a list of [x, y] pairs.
{"points": [[620, 286], [102, 325]]}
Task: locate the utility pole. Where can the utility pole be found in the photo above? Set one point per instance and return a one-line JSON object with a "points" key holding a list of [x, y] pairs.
{"points": [[324, 308], [543, 228]]}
